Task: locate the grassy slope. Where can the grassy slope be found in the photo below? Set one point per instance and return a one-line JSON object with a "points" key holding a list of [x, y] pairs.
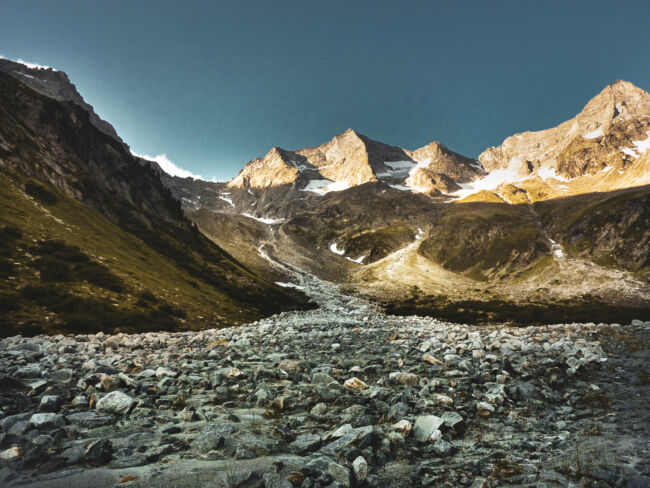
{"points": [[143, 272]]}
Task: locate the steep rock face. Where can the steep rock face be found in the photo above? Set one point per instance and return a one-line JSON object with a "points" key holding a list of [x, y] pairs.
{"points": [[603, 134], [57, 142], [275, 169], [430, 181], [351, 158], [55, 84], [435, 156]]}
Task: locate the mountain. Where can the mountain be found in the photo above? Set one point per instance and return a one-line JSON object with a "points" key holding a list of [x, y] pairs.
{"points": [[602, 148], [555, 218], [55, 84], [91, 236]]}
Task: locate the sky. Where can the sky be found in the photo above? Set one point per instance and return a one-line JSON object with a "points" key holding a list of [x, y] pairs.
{"points": [[212, 85]]}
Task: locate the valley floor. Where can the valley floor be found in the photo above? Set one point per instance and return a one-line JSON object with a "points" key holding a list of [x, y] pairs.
{"points": [[342, 395]]}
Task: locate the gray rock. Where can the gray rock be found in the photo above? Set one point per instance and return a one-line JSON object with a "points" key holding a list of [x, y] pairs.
{"points": [[50, 403], [99, 452], [442, 447], [30, 371], [20, 428], [90, 420], [306, 443], [340, 474], [45, 421], [213, 436]]}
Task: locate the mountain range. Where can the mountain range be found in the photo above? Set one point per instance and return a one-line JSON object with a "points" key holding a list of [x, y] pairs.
{"points": [[550, 225]]}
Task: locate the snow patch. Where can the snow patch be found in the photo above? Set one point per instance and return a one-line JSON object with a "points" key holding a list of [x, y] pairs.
{"points": [[321, 187], [262, 219], [477, 164], [167, 166], [592, 135], [289, 285], [358, 260], [334, 248], [557, 249], [549, 173], [488, 182], [227, 199], [24, 74], [641, 147]]}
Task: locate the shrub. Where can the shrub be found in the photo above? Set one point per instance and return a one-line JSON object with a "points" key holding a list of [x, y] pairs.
{"points": [[40, 193]]}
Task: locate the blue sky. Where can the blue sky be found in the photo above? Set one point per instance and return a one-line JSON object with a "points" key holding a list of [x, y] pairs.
{"points": [[215, 84]]}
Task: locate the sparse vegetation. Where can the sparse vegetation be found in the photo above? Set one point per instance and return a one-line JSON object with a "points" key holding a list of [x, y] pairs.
{"points": [[485, 312], [75, 271]]}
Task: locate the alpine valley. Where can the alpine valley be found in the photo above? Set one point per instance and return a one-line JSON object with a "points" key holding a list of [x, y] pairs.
{"points": [[354, 314], [551, 225]]}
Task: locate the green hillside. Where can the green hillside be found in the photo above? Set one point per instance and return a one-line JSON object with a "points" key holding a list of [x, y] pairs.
{"points": [[64, 267]]}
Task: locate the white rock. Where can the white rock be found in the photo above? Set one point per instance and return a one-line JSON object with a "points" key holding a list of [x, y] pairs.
{"points": [[425, 425], [115, 402], [41, 420], [360, 468]]}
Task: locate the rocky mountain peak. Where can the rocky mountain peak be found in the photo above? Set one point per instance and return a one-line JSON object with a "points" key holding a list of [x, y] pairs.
{"points": [[605, 134], [436, 157], [55, 84], [274, 169]]}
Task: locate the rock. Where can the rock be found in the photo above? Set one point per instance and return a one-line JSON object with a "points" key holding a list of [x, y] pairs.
{"points": [[233, 373], [213, 436], [340, 474], [403, 427], [90, 420], [425, 426], [44, 421], [30, 371], [320, 378], [50, 403], [306, 443], [62, 375], [484, 408], [442, 447], [115, 402], [99, 452], [20, 428], [355, 384], [431, 360], [443, 399], [11, 455], [453, 420], [290, 366], [360, 469], [408, 379]]}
